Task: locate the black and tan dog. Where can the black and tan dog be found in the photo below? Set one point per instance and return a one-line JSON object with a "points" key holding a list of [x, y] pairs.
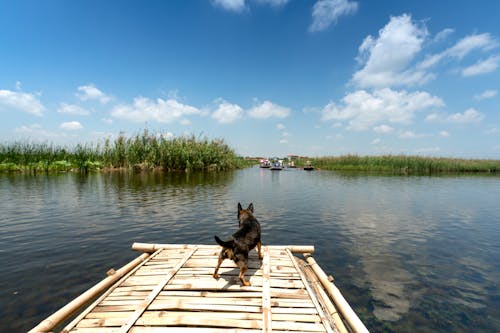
{"points": [[245, 239]]}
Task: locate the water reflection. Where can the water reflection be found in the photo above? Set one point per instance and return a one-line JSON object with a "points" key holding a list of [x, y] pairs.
{"points": [[410, 253]]}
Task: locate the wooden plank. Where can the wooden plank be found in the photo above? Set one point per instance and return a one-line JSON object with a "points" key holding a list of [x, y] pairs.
{"points": [[141, 329], [266, 293], [195, 306], [145, 247], [138, 312], [324, 320]]}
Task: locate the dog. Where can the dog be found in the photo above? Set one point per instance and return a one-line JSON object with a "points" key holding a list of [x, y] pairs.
{"points": [[246, 238]]}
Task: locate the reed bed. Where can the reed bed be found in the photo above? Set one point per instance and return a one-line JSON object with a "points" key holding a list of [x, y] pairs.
{"points": [[402, 164], [144, 151]]}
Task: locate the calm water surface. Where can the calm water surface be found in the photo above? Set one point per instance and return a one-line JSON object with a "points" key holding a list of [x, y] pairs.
{"points": [[411, 254]]}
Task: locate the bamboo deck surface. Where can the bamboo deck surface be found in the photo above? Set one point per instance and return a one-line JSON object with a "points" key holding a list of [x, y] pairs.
{"points": [[173, 290]]}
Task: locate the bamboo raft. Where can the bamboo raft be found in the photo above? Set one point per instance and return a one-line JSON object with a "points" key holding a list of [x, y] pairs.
{"points": [[170, 288]]}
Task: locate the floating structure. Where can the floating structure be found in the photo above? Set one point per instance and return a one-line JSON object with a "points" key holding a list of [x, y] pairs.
{"points": [[277, 165], [170, 288], [266, 164], [308, 166]]}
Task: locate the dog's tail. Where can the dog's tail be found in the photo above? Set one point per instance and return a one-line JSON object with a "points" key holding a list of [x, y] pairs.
{"points": [[224, 244]]}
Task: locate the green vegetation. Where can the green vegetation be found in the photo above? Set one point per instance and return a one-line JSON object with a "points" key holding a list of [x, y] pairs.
{"points": [[143, 151], [401, 164]]}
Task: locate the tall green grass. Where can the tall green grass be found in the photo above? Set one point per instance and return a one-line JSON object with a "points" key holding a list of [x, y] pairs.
{"points": [[143, 151], [402, 164]]}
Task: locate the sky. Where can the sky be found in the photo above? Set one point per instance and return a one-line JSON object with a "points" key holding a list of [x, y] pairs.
{"points": [[270, 77]]}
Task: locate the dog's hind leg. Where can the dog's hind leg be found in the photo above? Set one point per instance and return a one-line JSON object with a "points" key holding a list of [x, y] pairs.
{"points": [[221, 259], [259, 245], [243, 270]]}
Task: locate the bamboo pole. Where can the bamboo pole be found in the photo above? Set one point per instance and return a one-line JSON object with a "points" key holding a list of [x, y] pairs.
{"points": [[314, 299], [150, 248], [345, 309], [66, 311], [320, 291]]}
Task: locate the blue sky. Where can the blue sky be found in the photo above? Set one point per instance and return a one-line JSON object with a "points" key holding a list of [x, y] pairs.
{"points": [[270, 77]]}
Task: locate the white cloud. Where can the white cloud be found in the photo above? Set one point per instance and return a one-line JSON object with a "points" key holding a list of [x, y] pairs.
{"points": [[469, 116], [387, 58], [411, 135], [444, 134], [482, 67], [71, 126], [231, 5], [443, 34], [326, 12], [22, 101], [486, 94], [383, 129], [145, 109], [376, 141], [37, 132], [273, 3], [268, 109], [283, 141], [462, 48], [73, 109], [107, 121], [364, 110], [90, 92], [227, 113], [280, 127]]}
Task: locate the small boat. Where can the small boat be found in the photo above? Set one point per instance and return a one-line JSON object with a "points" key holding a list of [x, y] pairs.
{"points": [[171, 287], [308, 166], [291, 164], [266, 164], [278, 165]]}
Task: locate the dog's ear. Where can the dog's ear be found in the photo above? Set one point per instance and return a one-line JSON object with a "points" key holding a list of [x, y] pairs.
{"points": [[239, 210], [250, 207]]}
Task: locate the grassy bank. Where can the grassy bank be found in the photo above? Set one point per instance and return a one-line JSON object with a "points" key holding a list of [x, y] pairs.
{"points": [[401, 164], [143, 151]]}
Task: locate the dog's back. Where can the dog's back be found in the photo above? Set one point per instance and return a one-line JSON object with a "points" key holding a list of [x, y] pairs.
{"points": [[248, 236]]}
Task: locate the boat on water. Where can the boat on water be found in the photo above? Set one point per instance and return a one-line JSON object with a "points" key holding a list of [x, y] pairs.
{"points": [[266, 164], [308, 166], [277, 165], [171, 287]]}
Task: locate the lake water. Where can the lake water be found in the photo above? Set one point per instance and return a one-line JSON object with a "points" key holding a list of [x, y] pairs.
{"points": [[411, 254]]}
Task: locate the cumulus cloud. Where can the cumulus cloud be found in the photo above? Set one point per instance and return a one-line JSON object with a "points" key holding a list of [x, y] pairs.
{"points": [[91, 92], [281, 127], [71, 126], [482, 67], [163, 111], [363, 110], [268, 109], [486, 94], [72, 109], [469, 116], [227, 113], [22, 101], [326, 12], [386, 59]]}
